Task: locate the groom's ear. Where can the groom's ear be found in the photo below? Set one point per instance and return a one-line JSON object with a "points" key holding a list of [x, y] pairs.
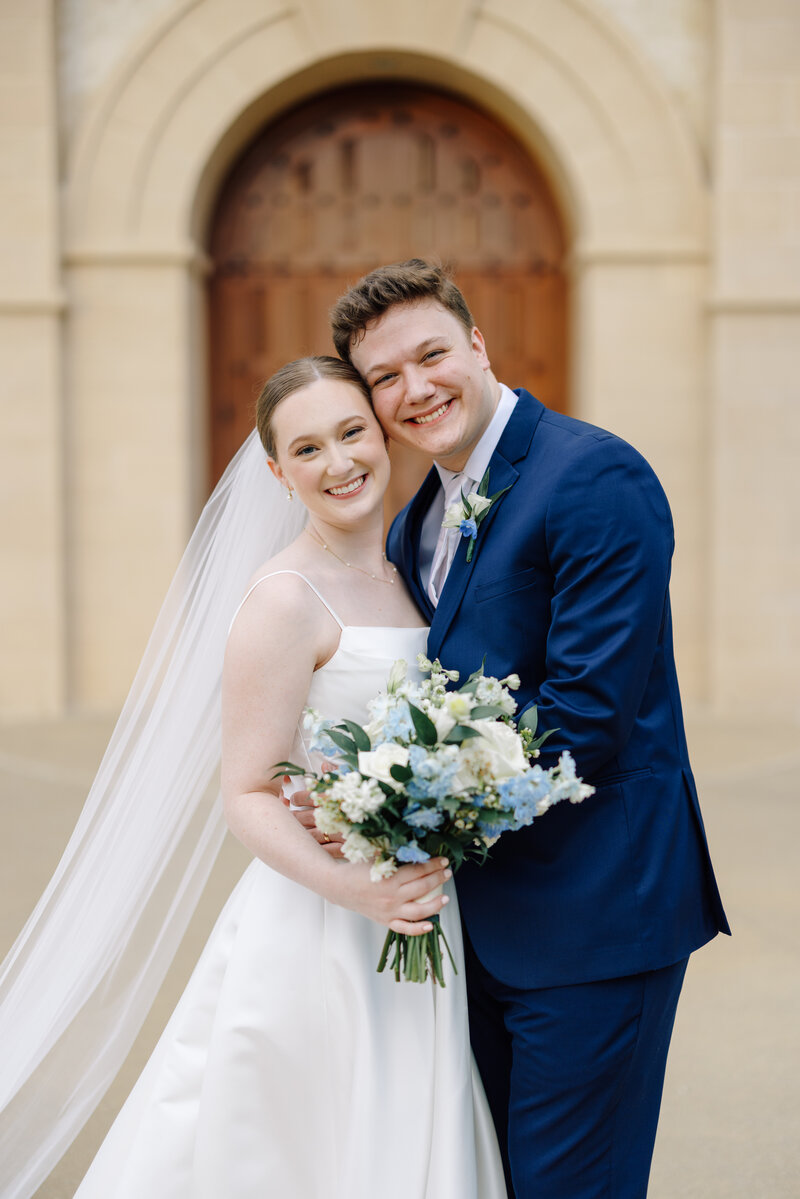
{"points": [[478, 346]]}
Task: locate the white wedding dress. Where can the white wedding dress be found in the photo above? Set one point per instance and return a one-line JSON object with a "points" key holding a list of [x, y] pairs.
{"points": [[291, 1069]]}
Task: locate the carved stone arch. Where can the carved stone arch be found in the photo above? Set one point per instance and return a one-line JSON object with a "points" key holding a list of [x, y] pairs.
{"points": [[141, 181], [557, 71]]}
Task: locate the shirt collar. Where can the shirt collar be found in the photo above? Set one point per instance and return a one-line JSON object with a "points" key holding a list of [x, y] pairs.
{"points": [[479, 459]]}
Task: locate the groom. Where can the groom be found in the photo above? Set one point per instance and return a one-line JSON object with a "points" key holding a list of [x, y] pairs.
{"points": [[578, 929]]}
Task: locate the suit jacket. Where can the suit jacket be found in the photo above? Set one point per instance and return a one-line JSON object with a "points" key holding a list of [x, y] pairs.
{"points": [[568, 587]]}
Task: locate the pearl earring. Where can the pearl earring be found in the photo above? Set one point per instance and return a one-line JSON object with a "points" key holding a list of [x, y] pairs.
{"points": [[289, 494]]}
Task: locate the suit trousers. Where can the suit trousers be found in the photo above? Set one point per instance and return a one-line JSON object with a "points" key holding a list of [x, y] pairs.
{"points": [[574, 1077]]}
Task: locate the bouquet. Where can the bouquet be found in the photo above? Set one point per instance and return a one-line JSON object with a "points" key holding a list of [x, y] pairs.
{"points": [[435, 771]]}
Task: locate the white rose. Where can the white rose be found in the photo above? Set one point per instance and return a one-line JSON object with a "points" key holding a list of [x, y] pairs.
{"points": [[478, 503], [443, 720], [505, 748], [475, 761], [453, 516], [378, 762]]}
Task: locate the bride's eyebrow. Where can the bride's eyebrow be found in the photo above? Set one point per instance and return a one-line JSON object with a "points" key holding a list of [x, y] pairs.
{"points": [[306, 437]]}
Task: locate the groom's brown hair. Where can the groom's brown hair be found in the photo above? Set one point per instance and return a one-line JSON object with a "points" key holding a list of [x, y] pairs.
{"points": [[401, 283]]}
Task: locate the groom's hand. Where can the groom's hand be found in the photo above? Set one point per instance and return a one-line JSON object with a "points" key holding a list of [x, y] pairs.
{"points": [[301, 805]]}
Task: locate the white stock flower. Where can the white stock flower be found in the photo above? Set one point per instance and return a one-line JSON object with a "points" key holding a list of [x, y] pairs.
{"points": [[357, 797], [397, 675], [458, 704], [377, 763], [330, 822], [384, 868], [490, 691], [357, 848], [512, 681]]}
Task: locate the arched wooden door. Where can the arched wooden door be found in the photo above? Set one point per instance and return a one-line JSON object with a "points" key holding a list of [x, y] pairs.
{"points": [[363, 176]]}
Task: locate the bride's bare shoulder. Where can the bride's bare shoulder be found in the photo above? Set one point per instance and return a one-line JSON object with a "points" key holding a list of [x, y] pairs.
{"points": [[278, 596]]}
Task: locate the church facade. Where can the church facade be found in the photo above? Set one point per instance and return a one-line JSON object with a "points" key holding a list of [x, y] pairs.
{"points": [[188, 184]]}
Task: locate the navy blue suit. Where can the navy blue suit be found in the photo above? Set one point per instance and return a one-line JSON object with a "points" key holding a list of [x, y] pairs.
{"points": [[568, 587]]}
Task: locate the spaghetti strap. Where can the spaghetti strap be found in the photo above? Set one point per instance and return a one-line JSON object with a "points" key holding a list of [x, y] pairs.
{"points": [[308, 583]]}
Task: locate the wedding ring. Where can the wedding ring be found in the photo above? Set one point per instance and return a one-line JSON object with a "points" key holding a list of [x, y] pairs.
{"points": [[325, 838]]}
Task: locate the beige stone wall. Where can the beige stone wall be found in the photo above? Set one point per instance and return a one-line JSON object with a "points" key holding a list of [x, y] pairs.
{"points": [[32, 600], [755, 313], [669, 247]]}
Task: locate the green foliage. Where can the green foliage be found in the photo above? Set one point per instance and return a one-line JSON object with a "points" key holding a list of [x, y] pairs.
{"points": [[423, 726]]}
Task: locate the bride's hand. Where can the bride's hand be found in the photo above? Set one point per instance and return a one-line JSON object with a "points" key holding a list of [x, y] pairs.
{"points": [[301, 805], [395, 901]]}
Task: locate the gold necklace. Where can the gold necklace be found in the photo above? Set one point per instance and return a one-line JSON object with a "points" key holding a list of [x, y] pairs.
{"points": [[312, 533]]}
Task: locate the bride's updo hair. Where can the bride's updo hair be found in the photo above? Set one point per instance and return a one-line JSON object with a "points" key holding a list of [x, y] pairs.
{"points": [[294, 377]]}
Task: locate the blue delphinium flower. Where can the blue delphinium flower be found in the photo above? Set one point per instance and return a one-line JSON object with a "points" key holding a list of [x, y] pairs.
{"points": [[433, 774], [523, 793], [494, 828], [419, 817], [399, 726], [411, 853], [469, 528]]}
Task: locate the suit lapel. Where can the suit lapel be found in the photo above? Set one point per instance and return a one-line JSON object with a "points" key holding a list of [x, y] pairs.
{"points": [[512, 447], [411, 531], [501, 474]]}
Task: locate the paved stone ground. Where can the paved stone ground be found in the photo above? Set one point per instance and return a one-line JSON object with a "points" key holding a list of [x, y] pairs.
{"points": [[730, 1126]]}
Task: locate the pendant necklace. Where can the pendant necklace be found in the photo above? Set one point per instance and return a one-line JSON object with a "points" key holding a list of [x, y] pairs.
{"points": [[312, 533]]}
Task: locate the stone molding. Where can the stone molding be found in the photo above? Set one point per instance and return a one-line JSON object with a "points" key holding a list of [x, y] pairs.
{"points": [[557, 70]]}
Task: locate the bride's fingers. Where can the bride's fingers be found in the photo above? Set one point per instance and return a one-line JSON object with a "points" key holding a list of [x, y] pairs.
{"points": [[420, 886], [409, 928], [332, 848], [305, 816]]}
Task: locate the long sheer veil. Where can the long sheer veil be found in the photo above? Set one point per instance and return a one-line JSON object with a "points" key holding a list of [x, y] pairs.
{"points": [[77, 984]]}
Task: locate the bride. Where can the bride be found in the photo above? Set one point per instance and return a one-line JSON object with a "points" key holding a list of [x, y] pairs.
{"points": [[289, 1066]]}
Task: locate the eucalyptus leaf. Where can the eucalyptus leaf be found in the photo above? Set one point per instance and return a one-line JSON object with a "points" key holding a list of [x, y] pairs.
{"points": [[486, 711], [529, 719], [540, 740], [476, 675], [401, 774], [288, 768], [423, 725], [342, 740], [361, 739], [459, 733]]}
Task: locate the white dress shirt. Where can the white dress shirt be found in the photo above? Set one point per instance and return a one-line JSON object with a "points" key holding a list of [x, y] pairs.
{"points": [[473, 472]]}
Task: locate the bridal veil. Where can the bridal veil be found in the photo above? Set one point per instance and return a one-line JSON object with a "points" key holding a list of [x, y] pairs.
{"points": [[77, 984]]}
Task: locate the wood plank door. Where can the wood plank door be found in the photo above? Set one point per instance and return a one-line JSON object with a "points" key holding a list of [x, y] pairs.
{"points": [[368, 175]]}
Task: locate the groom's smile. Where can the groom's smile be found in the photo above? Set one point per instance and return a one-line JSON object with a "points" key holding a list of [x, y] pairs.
{"points": [[431, 382]]}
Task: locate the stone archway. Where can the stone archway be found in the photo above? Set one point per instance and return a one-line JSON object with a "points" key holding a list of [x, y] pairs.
{"points": [[371, 174]]}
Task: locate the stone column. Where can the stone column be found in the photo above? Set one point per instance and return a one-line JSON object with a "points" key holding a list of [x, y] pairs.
{"points": [[639, 368], [134, 369], [32, 678], [755, 311]]}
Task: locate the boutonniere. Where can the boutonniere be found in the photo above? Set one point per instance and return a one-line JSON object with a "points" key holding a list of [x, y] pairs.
{"points": [[468, 512]]}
